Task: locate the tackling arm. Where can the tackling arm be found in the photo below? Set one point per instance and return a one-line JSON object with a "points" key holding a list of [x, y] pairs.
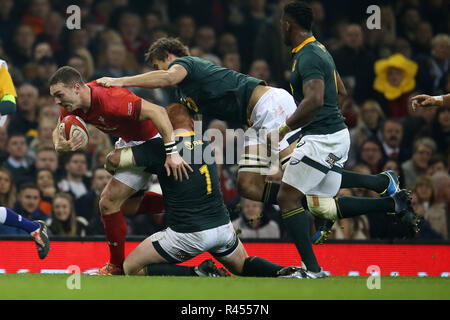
{"points": [[149, 80]]}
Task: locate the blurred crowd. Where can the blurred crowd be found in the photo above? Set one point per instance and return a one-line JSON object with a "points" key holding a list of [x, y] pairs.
{"points": [[381, 68]]}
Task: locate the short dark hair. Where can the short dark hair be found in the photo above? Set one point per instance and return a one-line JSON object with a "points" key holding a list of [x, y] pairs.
{"points": [[301, 12], [28, 185], [159, 49], [67, 75]]}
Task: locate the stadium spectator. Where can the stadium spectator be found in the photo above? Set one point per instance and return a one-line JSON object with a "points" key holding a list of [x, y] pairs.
{"points": [[425, 229], [372, 155], [46, 66], [354, 63], [43, 138], [46, 158], [74, 182], [439, 214], [81, 64], [370, 120], [25, 120], [45, 181], [3, 144], [270, 47], [440, 129], [356, 228], [40, 50], [440, 60], [130, 25], [253, 223], [395, 79], [89, 60], [227, 44], [232, 61], [8, 20], [52, 33], [150, 21], [392, 139], [205, 39], [27, 205], [87, 205], [260, 69], [17, 162], [185, 29], [50, 111], [64, 220], [423, 150], [36, 14], [21, 50], [436, 215], [437, 164], [115, 62], [7, 189]]}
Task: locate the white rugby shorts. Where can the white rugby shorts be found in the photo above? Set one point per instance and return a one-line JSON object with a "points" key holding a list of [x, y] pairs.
{"points": [[315, 167], [178, 247], [135, 178]]}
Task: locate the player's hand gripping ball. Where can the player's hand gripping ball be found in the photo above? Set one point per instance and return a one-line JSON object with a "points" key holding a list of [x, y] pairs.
{"points": [[70, 125]]}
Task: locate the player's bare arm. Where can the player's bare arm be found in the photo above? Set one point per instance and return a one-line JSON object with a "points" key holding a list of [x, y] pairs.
{"points": [[149, 80], [423, 100], [62, 145], [158, 115], [313, 91]]}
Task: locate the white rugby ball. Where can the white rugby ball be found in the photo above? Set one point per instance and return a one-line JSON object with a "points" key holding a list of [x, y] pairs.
{"points": [[70, 125]]}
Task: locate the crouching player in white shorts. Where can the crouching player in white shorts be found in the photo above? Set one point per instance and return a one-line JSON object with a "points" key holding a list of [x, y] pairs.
{"points": [[197, 218]]}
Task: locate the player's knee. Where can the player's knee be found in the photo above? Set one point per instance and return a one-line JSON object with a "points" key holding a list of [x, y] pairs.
{"points": [[322, 207], [128, 269], [108, 203]]}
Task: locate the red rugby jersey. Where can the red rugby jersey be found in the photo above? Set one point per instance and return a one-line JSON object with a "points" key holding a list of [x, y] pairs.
{"points": [[116, 111]]}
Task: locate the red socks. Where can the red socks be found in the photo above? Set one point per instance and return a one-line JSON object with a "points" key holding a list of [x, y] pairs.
{"points": [[151, 203], [115, 231]]}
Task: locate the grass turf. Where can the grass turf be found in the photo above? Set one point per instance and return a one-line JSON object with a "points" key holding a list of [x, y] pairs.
{"points": [[54, 286]]}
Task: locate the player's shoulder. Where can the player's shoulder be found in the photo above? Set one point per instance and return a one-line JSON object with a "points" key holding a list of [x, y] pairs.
{"points": [[103, 92]]}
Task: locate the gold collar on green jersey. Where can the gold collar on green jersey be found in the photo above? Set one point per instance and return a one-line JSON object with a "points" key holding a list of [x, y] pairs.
{"points": [[304, 43]]}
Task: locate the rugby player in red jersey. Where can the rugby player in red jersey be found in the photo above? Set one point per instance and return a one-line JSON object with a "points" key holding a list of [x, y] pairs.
{"points": [[115, 111]]}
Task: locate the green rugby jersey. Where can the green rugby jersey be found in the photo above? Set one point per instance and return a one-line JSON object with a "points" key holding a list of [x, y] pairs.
{"points": [[191, 205], [311, 60], [215, 91]]}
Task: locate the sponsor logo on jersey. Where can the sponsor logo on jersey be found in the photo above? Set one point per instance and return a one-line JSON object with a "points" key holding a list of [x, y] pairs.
{"points": [[332, 159]]}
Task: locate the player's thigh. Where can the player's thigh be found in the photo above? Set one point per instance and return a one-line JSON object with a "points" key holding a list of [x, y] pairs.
{"points": [[144, 254], [234, 262], [114, 195], [289, 197]]}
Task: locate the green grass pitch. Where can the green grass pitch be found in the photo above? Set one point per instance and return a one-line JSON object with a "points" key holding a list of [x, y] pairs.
{"points": [[31, 286]]}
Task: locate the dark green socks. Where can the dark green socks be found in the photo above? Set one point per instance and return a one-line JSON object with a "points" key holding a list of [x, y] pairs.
{"points": [[259, 267], [375, 182], [296, 222], [348, 207]]}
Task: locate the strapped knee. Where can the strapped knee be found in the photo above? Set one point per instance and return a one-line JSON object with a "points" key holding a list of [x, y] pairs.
{"points": [[322, 207]]}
